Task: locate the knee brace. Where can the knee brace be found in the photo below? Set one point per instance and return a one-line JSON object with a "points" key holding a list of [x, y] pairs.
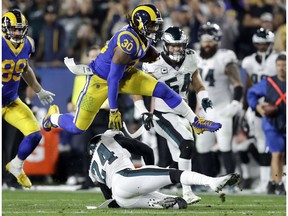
{"points": [[244, 157], [187, 149], [265, 159], [175, 175]]}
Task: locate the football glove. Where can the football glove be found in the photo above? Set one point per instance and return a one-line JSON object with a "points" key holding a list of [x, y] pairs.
{"points": [[147, 119], [115, 121], [45, 97], [206, 103], [231, 109]]}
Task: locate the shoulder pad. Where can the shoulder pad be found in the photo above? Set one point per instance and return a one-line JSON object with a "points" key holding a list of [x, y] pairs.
{"points": [[128, 42], [32, 43]]}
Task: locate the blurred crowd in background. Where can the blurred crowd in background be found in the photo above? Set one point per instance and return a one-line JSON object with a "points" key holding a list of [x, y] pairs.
{"points": [[71, 27]]}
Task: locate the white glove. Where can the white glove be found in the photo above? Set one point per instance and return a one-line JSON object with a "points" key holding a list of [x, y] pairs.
{"points": [[45, 97], [231, 109]]}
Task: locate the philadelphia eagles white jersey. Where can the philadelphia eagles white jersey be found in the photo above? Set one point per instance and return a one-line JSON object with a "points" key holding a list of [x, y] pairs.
{"points": [[108, 158], [213, 75], [258, 70], [177, 79]]}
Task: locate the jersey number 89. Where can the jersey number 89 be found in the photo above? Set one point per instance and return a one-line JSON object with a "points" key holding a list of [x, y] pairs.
{"points": [[12, 70]]}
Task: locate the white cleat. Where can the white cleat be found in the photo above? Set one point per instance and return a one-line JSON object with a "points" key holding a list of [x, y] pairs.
{"points": [[191, 198], [220, 182]]}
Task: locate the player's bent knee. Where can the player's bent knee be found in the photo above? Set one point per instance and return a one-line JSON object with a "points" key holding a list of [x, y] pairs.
{"points": [[187, 149], [171, 98], [73, 129]]}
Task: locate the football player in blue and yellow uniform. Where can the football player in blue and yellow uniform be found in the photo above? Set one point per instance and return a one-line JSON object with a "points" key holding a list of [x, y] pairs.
{"points": [[16, 50], [114, 73]]}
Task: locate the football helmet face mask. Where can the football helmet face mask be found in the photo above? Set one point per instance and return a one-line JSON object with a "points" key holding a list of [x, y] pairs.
{"points": [[175, 43], [263, 40], [146, 19], [14, 26]]}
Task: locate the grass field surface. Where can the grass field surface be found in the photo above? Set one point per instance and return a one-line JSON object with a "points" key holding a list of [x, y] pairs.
{"points": [[30, 203]]}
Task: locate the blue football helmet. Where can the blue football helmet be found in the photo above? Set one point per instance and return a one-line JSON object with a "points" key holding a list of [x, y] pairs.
{"points": [[13, 21], [146, 20]]}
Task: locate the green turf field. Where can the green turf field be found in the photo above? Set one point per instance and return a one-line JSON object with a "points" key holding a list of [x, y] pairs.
{"points": [[74, 203]]}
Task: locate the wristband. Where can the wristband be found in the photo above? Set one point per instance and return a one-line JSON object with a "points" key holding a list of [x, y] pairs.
{"points": [[140, 106], [238, 92], [202, 94]]}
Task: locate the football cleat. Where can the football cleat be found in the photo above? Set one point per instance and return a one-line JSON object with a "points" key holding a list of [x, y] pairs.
{"points": [[200, 125], [46, 123], [191, 198], [220, 182], [21, 177], [169, 202], [280, 189]]}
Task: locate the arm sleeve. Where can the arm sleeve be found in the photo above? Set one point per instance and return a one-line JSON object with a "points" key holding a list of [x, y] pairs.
{"points": [[136, 147], [114, 77], [255, 92]]}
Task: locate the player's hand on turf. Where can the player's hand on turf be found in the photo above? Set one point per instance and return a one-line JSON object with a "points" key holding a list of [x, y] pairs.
{"points": [[147, 119], [206, 103], [115, 121], [45, 97]]}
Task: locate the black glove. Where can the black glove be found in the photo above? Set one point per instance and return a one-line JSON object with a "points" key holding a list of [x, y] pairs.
{"points": [[206, 103], [147, 119]]}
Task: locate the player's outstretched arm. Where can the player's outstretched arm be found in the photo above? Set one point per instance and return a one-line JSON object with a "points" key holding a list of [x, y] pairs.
{"points": [[118, 65], [29, 77], [147, 117], [136, 147], [201, 92], [233, 73]]}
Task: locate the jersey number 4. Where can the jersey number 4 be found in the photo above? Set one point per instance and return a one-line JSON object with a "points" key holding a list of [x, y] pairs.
{"points": [[209, 76]]}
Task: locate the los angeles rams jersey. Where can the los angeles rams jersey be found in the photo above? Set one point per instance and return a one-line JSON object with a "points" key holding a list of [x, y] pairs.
{"points": [[215, 80], [14, 62], [108, 158], [130, 43], [258, 70], [177, 79]]}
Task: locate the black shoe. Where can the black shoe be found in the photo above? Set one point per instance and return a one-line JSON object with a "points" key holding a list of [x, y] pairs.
{"points": [[181, 203], [246, 183], [280, 189], [271, 187], [88, 185]]}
